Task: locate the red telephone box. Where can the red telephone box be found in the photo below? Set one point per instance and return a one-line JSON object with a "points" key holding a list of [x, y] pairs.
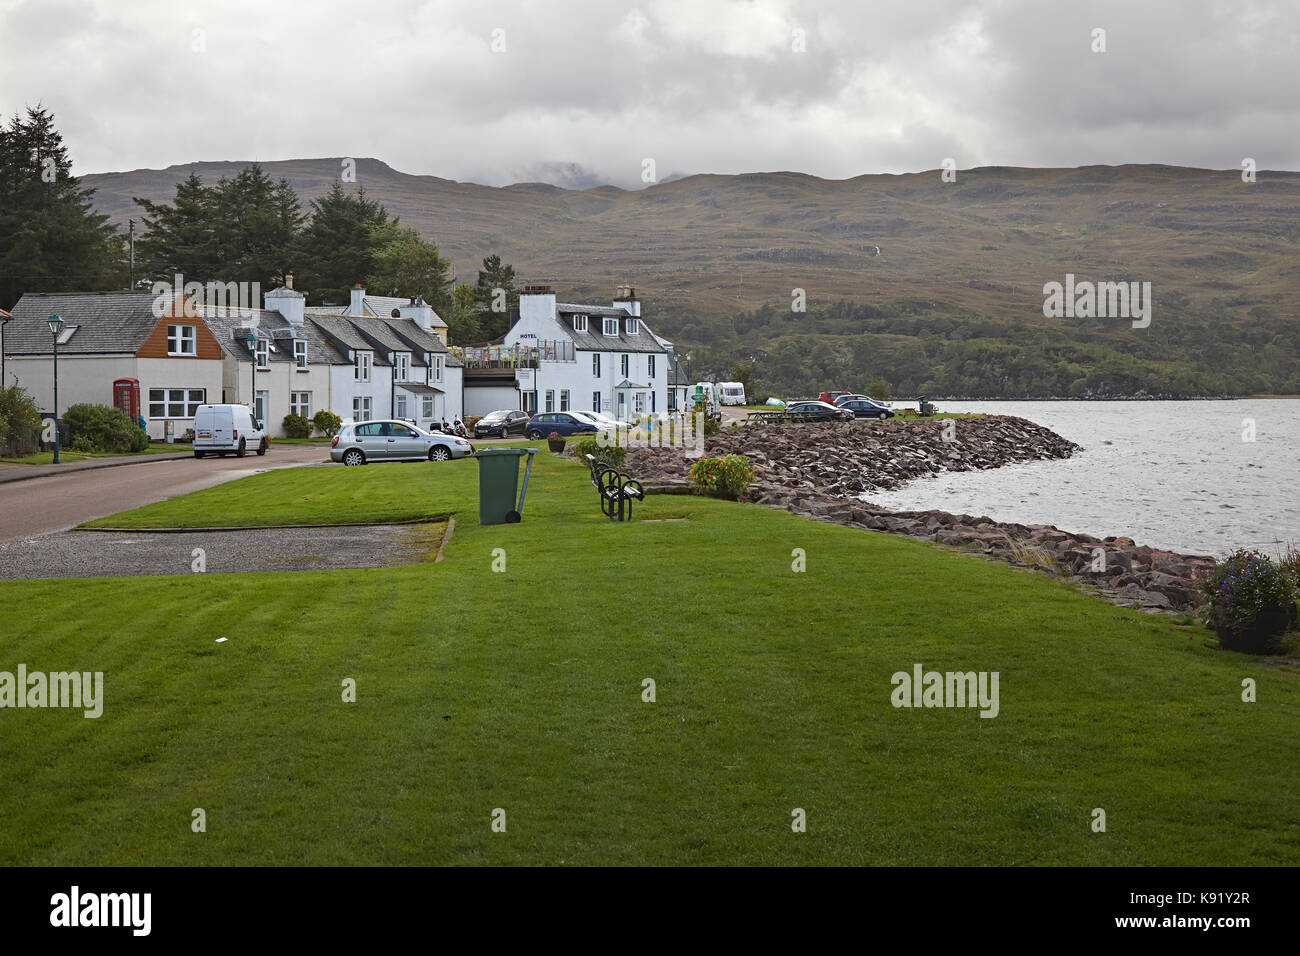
{"points": [[126, 396]]}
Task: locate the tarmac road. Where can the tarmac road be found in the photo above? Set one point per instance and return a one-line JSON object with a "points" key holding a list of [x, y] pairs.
{"points": [[58, 502]]}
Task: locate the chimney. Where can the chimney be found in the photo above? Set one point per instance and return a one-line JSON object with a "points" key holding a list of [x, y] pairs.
{"points": [[357, 305], [288, 281], [625, 296], [288, 303], [420, 311]]}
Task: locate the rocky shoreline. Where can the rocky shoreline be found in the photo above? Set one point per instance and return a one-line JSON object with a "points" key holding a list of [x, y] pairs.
{"points": [[821, 470]]}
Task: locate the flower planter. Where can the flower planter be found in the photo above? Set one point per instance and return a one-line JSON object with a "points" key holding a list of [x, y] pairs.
{"points": [[1261, 636], [556, 445]]}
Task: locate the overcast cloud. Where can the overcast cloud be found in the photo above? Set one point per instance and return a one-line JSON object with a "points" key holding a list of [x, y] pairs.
{"points": [[584, 91]]}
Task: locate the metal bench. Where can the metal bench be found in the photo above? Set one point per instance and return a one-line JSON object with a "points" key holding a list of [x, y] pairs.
{"points": [[617, 490]]}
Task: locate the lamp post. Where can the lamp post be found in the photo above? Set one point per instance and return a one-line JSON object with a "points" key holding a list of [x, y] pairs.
{"points": [[56, 329], [252, 375]]}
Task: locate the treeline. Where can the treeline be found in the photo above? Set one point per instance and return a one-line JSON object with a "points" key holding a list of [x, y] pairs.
{"points": [[918, 348], [243, 228], [247, 228], [51, 238]]}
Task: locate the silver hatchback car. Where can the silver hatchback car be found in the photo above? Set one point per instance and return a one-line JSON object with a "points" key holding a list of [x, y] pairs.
{"points": [[359, 443]]}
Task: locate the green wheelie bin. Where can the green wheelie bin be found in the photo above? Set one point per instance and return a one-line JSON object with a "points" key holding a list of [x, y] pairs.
{"points": [[498, 480]]}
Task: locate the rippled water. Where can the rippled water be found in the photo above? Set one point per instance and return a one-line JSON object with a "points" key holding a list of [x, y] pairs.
{"points": [[1173, 475]]}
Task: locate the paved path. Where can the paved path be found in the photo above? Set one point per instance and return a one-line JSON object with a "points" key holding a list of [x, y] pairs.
{"points": [[60, 501]]}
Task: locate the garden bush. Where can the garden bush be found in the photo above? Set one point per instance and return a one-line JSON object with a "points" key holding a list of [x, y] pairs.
{"points": [[1240, 586], [297, 426], [327, 423], [729, 476], [20, 422], [611, 454], [103, 429]]}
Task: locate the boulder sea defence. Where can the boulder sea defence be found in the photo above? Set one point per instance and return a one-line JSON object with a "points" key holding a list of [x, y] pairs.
{"points": [[824, 470]]}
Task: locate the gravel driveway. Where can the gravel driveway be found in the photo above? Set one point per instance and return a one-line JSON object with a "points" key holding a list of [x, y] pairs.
{"points": [[86, 554]]}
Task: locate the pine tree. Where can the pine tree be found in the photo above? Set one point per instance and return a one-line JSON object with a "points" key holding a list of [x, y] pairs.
{"points": [[496, 295], [180, 237], [339, 245], [51, 239]]}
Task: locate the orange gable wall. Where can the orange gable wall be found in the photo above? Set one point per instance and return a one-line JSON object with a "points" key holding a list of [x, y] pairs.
{"points": [[205, 343]]}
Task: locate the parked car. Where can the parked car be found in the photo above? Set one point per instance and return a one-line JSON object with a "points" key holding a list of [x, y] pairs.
{"points": [[602, 422], [866, 408], [360, 443], [501, 423], [829, 397], [563, 424], [221, 429], [852, 397], [825, 411]]}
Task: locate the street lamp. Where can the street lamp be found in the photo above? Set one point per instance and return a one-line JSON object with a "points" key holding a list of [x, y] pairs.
{"points": [[56, 329], [251, 341]]}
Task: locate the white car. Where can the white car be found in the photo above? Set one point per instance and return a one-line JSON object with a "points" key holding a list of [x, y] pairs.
{"points": [[390, 440], [602, 422]]}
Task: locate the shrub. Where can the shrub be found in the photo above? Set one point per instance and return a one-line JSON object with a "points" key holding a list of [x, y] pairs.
{"points": [[297, 426], [1240, 586], [728, 476], [610, 454], [20, 422], [327, 423], [711, 426], [101, 428]]}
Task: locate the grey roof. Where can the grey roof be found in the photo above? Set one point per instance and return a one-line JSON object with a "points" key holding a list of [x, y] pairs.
{"points": [[343, 334], [228, 325], [676, 375], [594, 339], [108, 322], [416, 338], [377, 306]]}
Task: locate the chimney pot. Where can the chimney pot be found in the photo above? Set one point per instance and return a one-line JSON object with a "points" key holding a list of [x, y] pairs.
{"points": [[288, 280]]}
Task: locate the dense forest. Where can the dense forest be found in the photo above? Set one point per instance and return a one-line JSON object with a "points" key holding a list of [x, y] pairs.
{"points": [[920, 347]]}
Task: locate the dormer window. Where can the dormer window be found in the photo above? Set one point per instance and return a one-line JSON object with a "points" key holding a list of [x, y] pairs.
{"points": [[631, 326], [181, 340], [580, 323], [403, 366], [361, 370], [263, 353], [611, 326], [300, 354]]}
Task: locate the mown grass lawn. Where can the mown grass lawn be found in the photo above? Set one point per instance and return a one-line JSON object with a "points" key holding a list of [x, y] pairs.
{"points": [[522, 690]]}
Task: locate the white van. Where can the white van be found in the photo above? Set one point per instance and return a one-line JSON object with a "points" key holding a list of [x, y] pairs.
{"points": [[221, 429], [733, 393], [712, 400]]}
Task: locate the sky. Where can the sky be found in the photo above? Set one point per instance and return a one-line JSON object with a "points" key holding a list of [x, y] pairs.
{"points": [[583, 92]]}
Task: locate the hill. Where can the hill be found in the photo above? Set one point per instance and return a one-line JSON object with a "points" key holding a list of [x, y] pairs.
{"points": [[722, 244]]}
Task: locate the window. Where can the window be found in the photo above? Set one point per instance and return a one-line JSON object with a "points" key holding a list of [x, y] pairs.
{"points": [[300, 404], [611, 326], [632, 327], [176, 402], [623, 364], [361, 371], [263, 354], [427, 407], [622, 404], [640, 403], [401, 431], [373, 430], [530, 402], [403, 370], [650, 366], [435, 368], [550, 399], [181, 340], [300, 354], [580, 323], [595, 364], [564, 400], [261, 406], [401, 406], [595, 401], [361, 408]]}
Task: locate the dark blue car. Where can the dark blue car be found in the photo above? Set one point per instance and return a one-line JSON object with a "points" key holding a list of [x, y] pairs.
{"points": [[562, 423], [865, 408]]}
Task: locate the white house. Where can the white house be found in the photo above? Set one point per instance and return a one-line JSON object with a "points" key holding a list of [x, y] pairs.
{"points": [[602, 358]]}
